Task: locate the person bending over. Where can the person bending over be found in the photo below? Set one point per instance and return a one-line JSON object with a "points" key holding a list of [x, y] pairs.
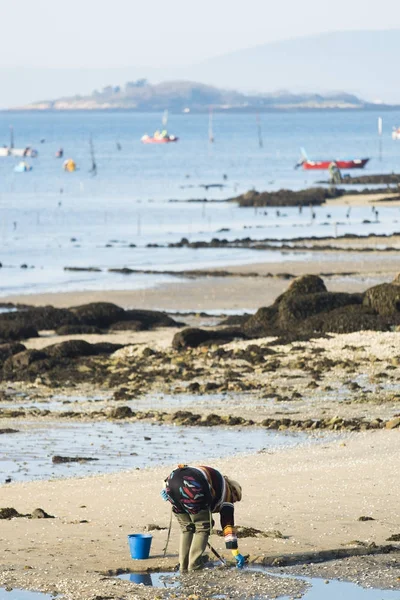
{"points": [[195, 493]]}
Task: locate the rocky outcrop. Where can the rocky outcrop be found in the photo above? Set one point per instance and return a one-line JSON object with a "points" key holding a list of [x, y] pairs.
{"points": [[311, 196], [384, 298], [99, 314], [92, 318], [307, 308], [16, 330]]}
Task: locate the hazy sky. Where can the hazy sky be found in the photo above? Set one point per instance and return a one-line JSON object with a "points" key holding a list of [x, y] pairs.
{"points": [[108, 33]]}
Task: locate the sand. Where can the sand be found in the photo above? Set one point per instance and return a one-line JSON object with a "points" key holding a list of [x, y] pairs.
{"points": [[313, 494], [236, 294]]}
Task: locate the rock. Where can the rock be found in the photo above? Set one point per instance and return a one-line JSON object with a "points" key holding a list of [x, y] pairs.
{"points": [[193, 337], [99, 314], [106, 347], [39, 513], [78, 330], [24, 359], [384, 299], [150, 319], [120, 412], [307, 197], [127, 326], [58, 460], [76, 348], [306, 284], [298, 307], [10, 330], [8, 430], [41, 317], [71, 349], [394, 538], [7, 350], [263, 323], [9, 513], [235, 320], [365, 519], [346, 319]]}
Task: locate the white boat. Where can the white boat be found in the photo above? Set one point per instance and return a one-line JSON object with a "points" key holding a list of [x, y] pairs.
{"points": [[20, 152], [396, 133]]}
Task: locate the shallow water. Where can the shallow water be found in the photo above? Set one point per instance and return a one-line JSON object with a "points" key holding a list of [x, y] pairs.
{"points": [[319, 588], [95, 219], [27, 455], [23, 595]]}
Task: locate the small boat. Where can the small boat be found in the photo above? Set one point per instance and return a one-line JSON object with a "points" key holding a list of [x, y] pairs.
{"points": [[20, 152], [147, 139], [22, 167], [351, 163], [354, 163], [396, 133], [160, 137]]}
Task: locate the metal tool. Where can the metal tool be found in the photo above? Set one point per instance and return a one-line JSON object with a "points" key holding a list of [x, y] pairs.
{"points": [[223, 561]]}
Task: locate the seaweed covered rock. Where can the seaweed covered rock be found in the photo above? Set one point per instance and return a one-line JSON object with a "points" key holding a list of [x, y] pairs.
{"points": [[346, 319], [75, 348], [41, 317], [15, 330], [70, 349], [7, 350], [307, 197], [78, 330], [294, 308], [150, 319], [99, 314], [193, 337], [25, 358], [127, 326], [263, 323], [384, 298], [306, 307], [306, 284], [24, 363]]}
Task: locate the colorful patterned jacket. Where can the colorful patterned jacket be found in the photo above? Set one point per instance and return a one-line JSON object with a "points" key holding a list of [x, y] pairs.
{"points": [[192, 489]]}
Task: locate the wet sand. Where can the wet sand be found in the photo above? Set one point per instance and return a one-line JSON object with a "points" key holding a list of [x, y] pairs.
{"points": [[313, 495], [236, 293]]}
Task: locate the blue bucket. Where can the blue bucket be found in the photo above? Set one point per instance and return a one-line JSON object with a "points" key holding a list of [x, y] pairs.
{"points": [[139, 545]]}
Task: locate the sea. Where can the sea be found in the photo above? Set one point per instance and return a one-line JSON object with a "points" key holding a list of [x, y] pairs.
{"points": [[145, 197]]}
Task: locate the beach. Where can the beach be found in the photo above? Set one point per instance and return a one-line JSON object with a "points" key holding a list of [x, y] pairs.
{"points": [[333, 495], [314, 496], [102, 392]]}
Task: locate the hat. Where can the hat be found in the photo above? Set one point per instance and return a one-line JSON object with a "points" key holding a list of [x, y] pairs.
{"points": [[236, 488]]}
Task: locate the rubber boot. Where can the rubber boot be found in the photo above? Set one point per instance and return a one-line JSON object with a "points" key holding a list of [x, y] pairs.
{"points": [[185, 541], [202, 532]]}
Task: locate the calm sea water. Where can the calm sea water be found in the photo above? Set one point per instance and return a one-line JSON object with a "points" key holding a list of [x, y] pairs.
{"points": [[50, 219]]}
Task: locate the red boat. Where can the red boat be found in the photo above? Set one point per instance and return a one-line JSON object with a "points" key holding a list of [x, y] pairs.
{"points": [[147, 139], [355, 163]]}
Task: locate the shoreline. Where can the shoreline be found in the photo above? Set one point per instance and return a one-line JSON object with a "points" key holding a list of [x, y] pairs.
{"points": [[231, 293]]}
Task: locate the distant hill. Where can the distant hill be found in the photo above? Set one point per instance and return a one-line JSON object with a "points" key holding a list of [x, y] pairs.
{"points": [[362, 63], [358, 62], [187, 96]]}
